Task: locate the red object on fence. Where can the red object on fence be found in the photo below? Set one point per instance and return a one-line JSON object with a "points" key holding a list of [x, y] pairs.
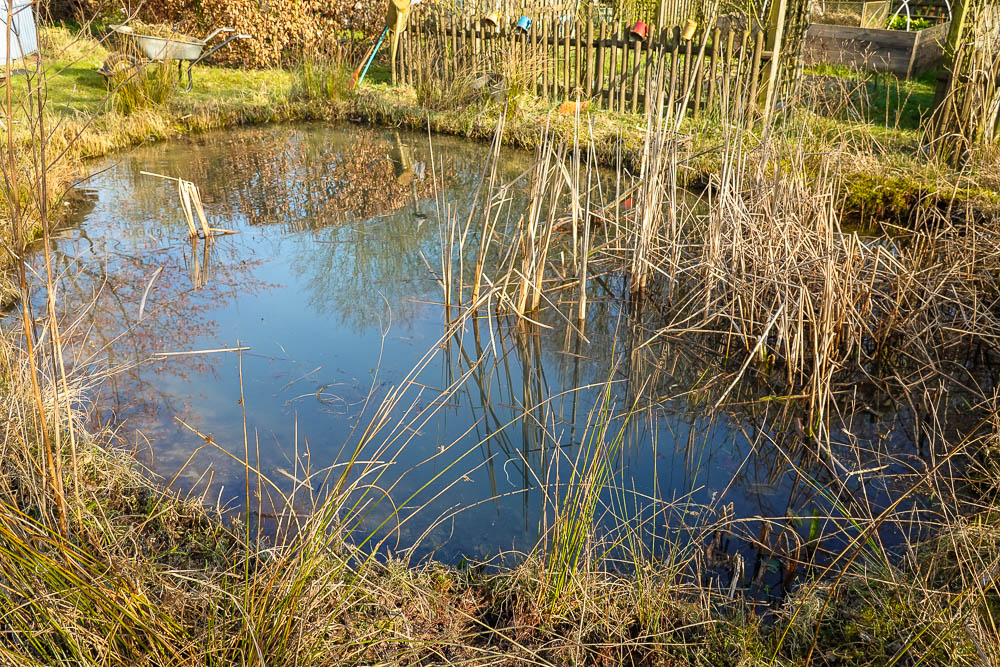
{"points": [[639, 31]]}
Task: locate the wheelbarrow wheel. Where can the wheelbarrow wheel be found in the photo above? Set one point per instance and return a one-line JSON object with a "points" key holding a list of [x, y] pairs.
{"points": [[120, 67]]}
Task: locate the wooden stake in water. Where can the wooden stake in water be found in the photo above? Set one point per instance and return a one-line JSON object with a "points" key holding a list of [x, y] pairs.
{"points": [[192, 207]]}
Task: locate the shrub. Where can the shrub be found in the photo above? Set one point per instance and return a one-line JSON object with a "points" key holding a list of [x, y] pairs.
{"points": [[898, 22]]}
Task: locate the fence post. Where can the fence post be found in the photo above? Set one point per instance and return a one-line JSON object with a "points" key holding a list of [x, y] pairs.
{"points": [[568, 27], [636, 70], [599, 88], [590, 52], [555, 59], [578, 45], [714, 66], [675, 55], [610, 70], [545, 57], [620, 78], [534, 58], [775, 37]]}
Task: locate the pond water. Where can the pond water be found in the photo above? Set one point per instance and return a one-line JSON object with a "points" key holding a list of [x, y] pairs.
{"points": [[331, 286]]}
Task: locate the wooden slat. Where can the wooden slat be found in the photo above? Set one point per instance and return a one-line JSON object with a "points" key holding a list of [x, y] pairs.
{"points": [[555, 58], [581, 58], [654, 54], [728, 67], [636, 71], [545, 56], [612, 101], [534, 55], [457, 66], [687, 72], [699, 79], [675, 70], [567, 29], [441, 41], [599, 92], [713, 71], [589, 88], [621, 80]]}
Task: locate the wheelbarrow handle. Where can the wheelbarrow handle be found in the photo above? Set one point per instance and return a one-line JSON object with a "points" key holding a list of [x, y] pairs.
{"points": [[215, 32], [218, 46]]}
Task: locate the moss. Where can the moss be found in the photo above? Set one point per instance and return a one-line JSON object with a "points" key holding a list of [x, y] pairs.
{"points": [[881, 196], [871, 622]]}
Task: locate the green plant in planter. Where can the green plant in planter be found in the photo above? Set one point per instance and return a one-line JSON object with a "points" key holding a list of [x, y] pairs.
{"points": [[898, 22]]}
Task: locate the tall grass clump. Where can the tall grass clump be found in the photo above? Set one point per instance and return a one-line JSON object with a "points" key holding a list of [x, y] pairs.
{"points": [[326, 74], [966, 118], [439, 87], [136, 86]]}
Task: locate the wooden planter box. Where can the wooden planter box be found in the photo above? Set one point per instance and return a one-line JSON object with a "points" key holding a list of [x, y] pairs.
{"points": [[903, 53]]}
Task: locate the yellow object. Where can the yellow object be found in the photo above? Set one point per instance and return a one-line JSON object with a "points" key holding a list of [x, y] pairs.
{"points": [[571, 108], [399, 12], [396, 19], [689, 27]]}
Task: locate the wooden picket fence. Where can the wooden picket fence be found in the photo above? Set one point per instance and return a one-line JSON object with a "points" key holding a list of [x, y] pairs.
{"points": [[597, 61], [676, 11], [935, 11]]}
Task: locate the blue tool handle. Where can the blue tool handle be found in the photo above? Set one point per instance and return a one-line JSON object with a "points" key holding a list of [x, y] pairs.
{"points": [[374, 53]]}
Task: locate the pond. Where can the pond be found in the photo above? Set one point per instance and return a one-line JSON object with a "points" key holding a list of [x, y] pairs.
{"points": [[330, 290]]}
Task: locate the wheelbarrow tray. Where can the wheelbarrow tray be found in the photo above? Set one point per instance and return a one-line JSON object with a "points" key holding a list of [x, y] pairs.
{"points": [[159, 48], [181, 47]]}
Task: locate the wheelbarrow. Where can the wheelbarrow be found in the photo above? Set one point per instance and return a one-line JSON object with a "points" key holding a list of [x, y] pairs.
{"points": [[141, 50]]}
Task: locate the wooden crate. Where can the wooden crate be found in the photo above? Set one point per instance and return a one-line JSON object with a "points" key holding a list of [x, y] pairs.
{"points": [[905, 54]]}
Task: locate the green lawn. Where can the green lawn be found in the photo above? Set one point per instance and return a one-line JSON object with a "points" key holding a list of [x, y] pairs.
{"points": [[883, 99]]}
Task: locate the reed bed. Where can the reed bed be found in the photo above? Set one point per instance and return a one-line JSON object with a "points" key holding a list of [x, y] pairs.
{"points": [[828, 322]]}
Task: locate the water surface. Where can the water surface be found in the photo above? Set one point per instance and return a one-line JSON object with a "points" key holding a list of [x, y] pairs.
{"points": [[332, 287]]}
